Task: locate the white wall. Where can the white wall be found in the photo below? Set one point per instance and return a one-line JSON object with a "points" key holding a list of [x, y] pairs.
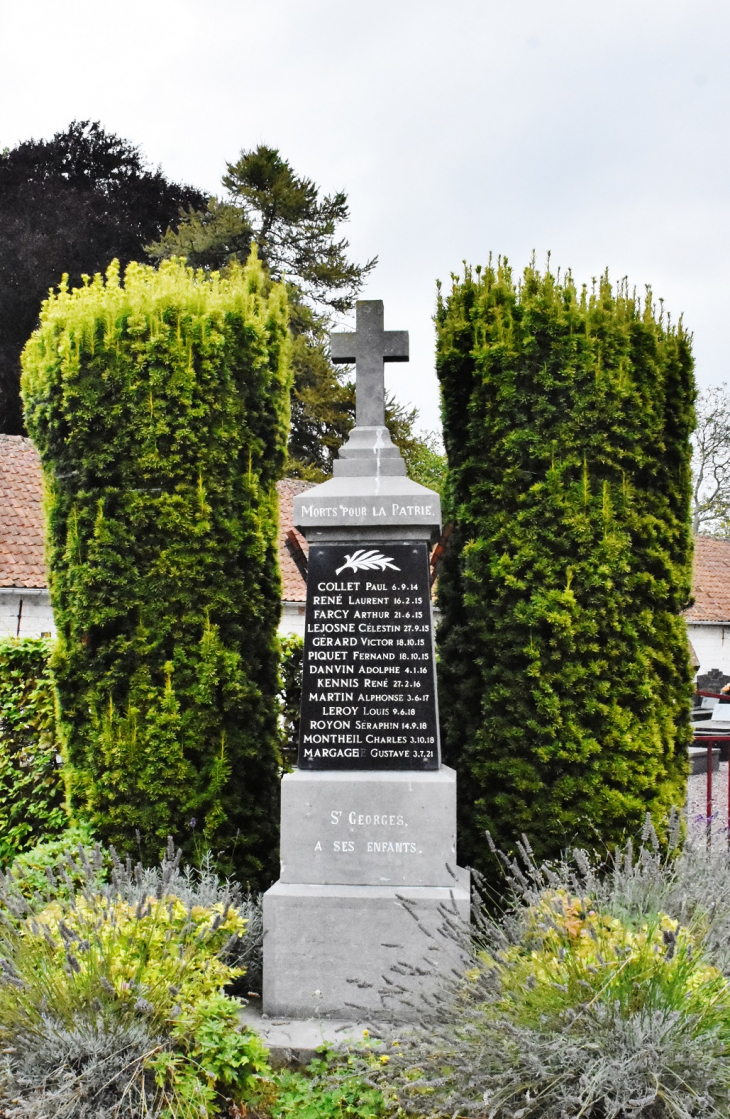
{"points": [[711, 643], [32, 607], [292, 618]]}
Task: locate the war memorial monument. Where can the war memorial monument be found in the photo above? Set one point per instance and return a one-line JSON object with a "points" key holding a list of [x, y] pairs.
{"points": [[368, 819]]}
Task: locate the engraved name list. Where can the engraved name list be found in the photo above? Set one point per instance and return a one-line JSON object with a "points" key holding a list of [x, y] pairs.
{"points": [[369, 685]]}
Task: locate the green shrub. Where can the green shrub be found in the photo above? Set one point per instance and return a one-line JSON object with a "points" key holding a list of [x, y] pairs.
{"points": [[564, 674], [28, 730], [327, 1089], [30, 869], [291, 669], [602, 993], [112, 1001], [160, 412], [31, 788]]}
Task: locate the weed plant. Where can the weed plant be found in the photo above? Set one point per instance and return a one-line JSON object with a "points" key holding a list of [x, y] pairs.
{"points": [[319, 1092], [29, 871], [601, 993]]}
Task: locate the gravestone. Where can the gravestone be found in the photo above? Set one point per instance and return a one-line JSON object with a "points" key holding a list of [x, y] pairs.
{"points": [[368, 818]]}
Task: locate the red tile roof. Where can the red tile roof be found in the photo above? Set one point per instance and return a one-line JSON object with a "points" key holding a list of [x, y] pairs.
{"points": [[293, 587], [21, 521], [21, 514], [710, 581]]}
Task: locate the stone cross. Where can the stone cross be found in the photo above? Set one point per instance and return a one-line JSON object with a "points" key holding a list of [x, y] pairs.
{"points": [[369, 347]]}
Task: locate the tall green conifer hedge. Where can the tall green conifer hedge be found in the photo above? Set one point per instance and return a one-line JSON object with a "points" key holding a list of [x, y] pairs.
{"points": [[565, 679], [160, 411]]}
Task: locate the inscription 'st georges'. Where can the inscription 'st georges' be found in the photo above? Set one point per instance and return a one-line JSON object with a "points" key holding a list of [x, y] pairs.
{"points": [[369, 347]]}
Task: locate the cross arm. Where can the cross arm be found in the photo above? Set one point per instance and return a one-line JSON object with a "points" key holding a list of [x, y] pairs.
{"points": [[342, 348], [395, 345]]}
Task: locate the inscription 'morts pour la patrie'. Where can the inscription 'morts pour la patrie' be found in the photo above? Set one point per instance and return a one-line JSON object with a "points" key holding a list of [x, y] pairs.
{"points": [[369, 686]]}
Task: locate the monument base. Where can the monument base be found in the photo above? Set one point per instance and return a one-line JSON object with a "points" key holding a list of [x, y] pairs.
{"points": [[356, 951]]}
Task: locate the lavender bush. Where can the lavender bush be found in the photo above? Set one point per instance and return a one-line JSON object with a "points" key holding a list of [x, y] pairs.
{"points": [[601, 993]]}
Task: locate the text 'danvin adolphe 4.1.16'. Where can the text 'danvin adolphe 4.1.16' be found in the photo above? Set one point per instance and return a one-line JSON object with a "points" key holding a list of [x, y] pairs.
{"points": [[369, 685]]}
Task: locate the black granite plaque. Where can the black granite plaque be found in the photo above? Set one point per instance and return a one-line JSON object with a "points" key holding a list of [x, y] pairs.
{"points": [[369, 687]]}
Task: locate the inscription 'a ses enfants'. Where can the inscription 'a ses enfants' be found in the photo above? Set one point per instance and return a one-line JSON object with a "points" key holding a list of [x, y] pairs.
{"points": [[370, 820]]}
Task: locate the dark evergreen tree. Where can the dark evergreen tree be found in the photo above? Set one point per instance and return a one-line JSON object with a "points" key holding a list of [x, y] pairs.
{"points": [[564, 674], [295, 230], [70, 205]]}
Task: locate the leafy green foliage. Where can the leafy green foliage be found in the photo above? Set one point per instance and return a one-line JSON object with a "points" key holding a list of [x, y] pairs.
{"points": [[31, 789], [30, 870], [70, 204], [216, 1061], [115, 968], [424, 459], [602, 992], [322, 399], [427, 463], [565, 682], [160, 411], [291, 669], [327, 1089], [295, 230]]}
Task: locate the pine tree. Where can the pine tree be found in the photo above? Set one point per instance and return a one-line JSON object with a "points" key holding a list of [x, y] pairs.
{"points": [[295, 229], [564, 673]]}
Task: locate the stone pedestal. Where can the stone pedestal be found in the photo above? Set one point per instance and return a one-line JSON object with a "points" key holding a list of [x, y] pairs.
{"points": [[368, 878], [357, 951]]}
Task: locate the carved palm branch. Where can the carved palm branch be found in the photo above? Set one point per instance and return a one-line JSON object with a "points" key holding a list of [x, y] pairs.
{"points": [[367, 560]]}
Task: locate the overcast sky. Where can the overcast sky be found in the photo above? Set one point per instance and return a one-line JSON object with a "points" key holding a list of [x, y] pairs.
{"points": [[456, 127]]}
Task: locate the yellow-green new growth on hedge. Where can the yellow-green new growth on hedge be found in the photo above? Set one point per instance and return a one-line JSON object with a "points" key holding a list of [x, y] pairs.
{"points": [[160, 409]]}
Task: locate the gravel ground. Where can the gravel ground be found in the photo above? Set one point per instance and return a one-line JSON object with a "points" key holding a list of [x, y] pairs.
{"points": [[697, 805]]}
